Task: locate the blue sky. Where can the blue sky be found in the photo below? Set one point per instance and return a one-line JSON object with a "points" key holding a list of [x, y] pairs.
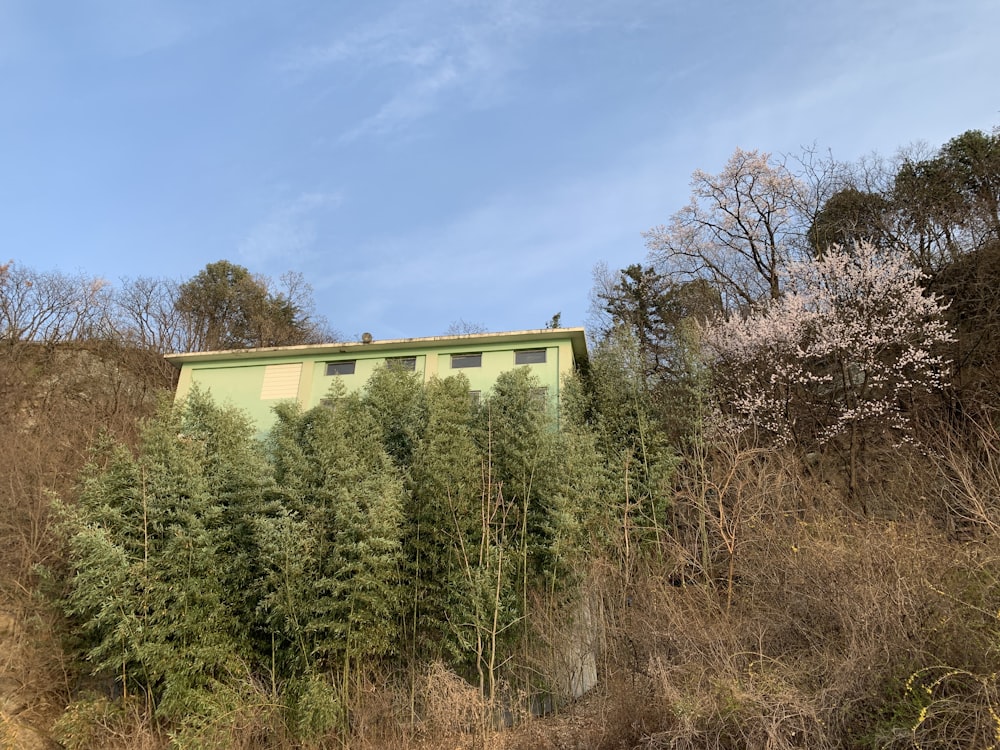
{"points": [[428, 161]]}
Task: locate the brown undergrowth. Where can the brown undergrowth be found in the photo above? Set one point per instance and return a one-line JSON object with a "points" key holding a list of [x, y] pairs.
{"points": [[800, 624], [777, 615], [768, 610], [54, 401]]}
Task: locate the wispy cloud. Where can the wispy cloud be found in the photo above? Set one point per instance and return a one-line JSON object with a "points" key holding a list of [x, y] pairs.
{"points": [[421, 62], [514, 259], [100, 28], [141, 26], [442, 53], [390, 40], [288, 233], [417, 99]]}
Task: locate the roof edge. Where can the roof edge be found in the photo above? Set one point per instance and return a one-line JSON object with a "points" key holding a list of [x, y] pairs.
{"points": [[577, 337]]}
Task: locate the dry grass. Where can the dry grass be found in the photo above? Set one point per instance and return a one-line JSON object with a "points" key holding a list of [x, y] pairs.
{"points": [[803, 631], [96, 723], [450, 707], [773, 613], [806, 625], [53, 403]]}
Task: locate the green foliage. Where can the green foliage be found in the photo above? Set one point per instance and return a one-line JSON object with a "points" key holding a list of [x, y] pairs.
{"points": [[314, 708], [652, 322], [517, 435], [949, 203], [335, 550], [970, 166], [516, 430], [240, 482], [395, 399], [614, 403], [499, 502], [399, 520], [226, 307], [637, 301], [152, 584], [850, 216], [444, 522], [582, 507]]}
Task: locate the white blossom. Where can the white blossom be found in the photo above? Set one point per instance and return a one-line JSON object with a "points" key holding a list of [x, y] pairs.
{"points": [[853, 339]]}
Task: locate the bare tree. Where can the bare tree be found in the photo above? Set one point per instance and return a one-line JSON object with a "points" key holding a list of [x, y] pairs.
{"points": [[143, 315], [743, 226], [50, 307], [298, 293], [462, 327]]}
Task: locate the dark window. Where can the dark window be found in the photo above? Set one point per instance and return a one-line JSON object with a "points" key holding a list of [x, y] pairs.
{"points": [[459, 361], [529, 357], [474, 397], [402, 363], [341, 368]]}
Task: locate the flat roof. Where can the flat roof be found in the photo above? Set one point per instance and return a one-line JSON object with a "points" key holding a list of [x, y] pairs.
{"points": [[577, 337]]}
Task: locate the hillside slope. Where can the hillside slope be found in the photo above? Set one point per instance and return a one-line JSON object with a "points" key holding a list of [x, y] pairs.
{"points": [[54, 401]]}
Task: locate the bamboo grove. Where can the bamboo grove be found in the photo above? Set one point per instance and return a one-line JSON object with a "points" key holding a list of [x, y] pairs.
{"points": [[400, 525]]}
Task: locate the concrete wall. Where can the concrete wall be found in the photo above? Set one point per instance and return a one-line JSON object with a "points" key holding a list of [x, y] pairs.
{"points": [[257, 380]]}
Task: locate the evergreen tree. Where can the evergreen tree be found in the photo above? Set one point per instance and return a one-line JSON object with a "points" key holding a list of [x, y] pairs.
{"points": [[395, 399], [333, 589], [240, 482], [146, 550], [612, 403], [444, 525], [517, 435], [224, 306]]}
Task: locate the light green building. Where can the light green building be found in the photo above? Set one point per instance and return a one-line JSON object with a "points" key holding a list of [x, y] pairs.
{"points": [[256, 379]]}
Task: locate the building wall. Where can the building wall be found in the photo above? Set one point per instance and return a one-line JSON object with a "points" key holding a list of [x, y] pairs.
{"points": [[256, 381]]}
